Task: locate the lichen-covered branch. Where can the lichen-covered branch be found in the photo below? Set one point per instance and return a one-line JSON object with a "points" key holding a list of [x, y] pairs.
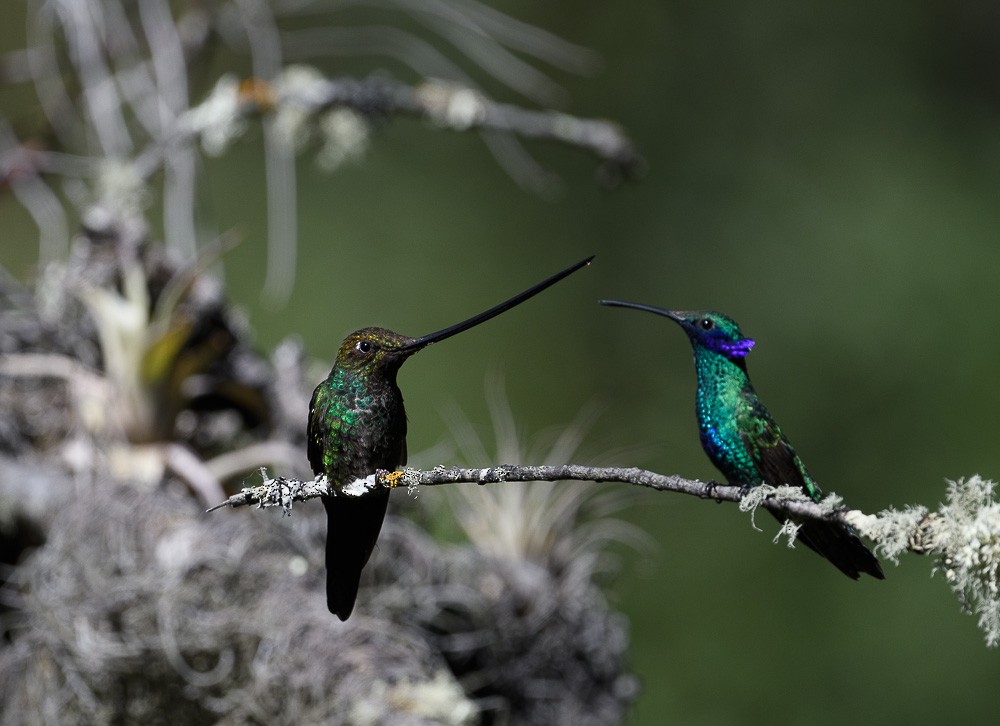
{"points": [[789, 501]]}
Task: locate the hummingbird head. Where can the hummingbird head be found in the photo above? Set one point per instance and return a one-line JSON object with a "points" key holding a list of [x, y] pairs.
{"points": [[375, 350], [713, 330], [706, 328]]}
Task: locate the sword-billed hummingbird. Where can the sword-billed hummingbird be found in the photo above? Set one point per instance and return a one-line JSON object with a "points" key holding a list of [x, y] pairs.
{"points": [[357, 424], [741, 438]]}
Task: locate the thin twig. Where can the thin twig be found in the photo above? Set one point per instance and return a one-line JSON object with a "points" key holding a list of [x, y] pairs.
{"points": [[282, 491]]}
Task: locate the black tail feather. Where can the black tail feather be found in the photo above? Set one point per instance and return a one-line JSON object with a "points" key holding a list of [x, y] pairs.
{"points": [[353, 525], [842, 547]]}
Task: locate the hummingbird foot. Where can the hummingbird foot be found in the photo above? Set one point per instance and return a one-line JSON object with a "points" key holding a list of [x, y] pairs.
{"points": [[711, 491]]}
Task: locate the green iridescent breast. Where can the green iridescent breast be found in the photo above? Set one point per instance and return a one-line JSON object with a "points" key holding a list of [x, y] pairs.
{"points": [[356, 425], [737, 431], [720, 405]]}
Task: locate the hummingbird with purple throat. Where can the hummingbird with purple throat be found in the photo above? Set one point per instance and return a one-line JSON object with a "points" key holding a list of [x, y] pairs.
{"points": [[742, 439], [357, 424]]}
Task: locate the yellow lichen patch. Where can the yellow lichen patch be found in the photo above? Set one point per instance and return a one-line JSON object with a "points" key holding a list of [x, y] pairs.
{"points": [[393, 478]]}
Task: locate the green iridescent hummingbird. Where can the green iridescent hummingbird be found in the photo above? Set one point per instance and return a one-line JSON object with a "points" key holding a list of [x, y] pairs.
{"points": [[357, 424], [741, 438]]}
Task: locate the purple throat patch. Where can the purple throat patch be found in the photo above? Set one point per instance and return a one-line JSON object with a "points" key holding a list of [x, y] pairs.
{"points": [[735, 348]]}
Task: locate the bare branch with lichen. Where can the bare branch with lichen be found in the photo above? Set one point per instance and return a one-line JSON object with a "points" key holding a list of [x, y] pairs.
{"points": [[964, 533], [789, 501]]}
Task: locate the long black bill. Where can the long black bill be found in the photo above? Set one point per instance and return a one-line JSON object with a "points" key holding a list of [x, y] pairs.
{"points": [[496, 310], [640, 306]]}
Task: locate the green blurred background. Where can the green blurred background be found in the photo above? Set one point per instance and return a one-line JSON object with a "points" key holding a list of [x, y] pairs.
{"points": [[826, 173]]}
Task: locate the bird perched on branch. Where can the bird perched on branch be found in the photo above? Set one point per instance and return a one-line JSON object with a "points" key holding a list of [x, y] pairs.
{"points": [[357, 424], [741, 438]]}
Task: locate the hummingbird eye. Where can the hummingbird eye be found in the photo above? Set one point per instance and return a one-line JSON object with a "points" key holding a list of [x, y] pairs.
{"points": [[706, 323], [364, 346]]}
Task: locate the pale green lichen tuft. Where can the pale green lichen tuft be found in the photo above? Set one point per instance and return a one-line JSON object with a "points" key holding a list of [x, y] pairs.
{"points": [[300, 90], [967, 529], [411, 479], [788, 529], [453, 106], [964, 534], [831, 503], [892, 529], [440, 699], [218, 119], [122, 189], [360, 487], [756, 496], [345, 138]]}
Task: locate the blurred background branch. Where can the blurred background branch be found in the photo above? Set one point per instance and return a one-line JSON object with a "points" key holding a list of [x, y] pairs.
{"points": [[118, 84]]}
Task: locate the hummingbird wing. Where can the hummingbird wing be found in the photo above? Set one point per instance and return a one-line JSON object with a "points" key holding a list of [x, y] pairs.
{"points": [[771, 452], [778, 465]]}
